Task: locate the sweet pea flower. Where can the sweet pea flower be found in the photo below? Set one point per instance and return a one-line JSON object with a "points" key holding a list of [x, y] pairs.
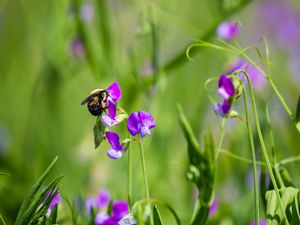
{"points": [[226, 90], [140, 123], [119, 211], [225, 87], [228, 30], [77, 48], [99, 202], [86, 12], [257, 79], [261, 222], [56, 200], [114, 92], [213, 208], [127, 220], [110, 119], [117, 149]]}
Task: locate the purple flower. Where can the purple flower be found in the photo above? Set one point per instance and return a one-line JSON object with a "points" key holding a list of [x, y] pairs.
{"points": [[213, 208], [261, 222], [114, 92], [77, 48], [86, 12], [140, 123], [257, 79], [110, 119], [117, 149], [56, 200], [99, 202], [127, 220], [228, 30], [222, 109], [119, 209], [226, 87], [102, 218]]}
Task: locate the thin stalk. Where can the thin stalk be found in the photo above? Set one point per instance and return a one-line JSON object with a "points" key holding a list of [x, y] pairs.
{"points": [[280, 97], [264, 150], [240, 158], [289, 160], [129, 175], [2, 220], [250, 135], [222, 127], [145, 176], [144, 169]]}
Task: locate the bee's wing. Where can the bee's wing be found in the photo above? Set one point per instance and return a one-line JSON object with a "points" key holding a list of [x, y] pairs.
{"points": [[86, 100]]}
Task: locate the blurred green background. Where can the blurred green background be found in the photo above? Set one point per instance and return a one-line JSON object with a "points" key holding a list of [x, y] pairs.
{"points": [[53, 53]]}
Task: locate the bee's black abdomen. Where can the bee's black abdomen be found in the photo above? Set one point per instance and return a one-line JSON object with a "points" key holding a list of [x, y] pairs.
{"points": [[95, 109]]}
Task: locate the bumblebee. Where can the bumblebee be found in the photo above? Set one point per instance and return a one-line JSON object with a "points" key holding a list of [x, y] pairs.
{"points": [[96, 102]]}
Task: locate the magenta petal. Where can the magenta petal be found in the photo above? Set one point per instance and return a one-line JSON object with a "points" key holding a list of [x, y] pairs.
{"points": [[114, 91], [119, 210], [225, 107], [114, 140], [261, 222], [218, 109], [228, 30], [101, 218], [145, 131], [146, 119], [107, 121], [112, 110], [103, 198], [226, 87], [133, 124], [114, 154]]}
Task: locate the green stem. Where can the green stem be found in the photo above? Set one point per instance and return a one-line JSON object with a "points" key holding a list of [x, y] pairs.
{"points": [[256, 190], [2, 220], [263, 147], [144, 168], [222, 127], [280, 97], [129, 175], [289, 160], [240, 158]]}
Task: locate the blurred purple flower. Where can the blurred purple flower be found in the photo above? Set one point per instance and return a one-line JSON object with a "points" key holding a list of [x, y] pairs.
{"points": [[213, 208], [257, 79], [119, 211], [114, 92], [102, 218], [56, 200], [228, 30], [77, 48], [225, 87], [117, 149], [127, 220], [99, 202], [261, 222], [226, 91], [86, 12], [110, 119], [221, 109], [140, 123]]}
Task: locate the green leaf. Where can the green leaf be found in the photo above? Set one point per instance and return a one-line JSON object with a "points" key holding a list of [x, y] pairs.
{"points": [[295, 212], [201, 169], [156, 216], [53, 216], [288, 196], [138, 207], [39, 206], [98, 134], [194, 153], [30, 196]]}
